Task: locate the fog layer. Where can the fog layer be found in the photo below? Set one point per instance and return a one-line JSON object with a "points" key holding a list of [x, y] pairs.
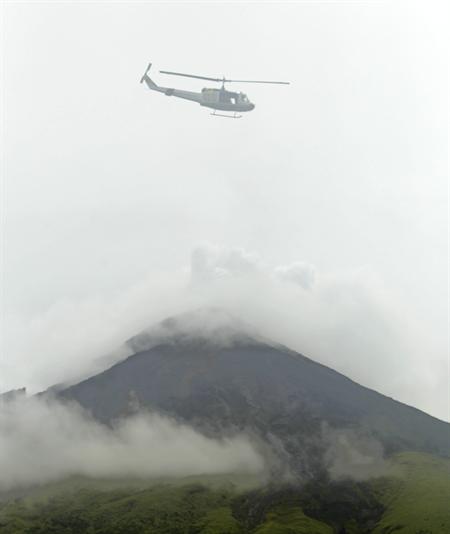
{"points": [[347, 320], [42, 441]]}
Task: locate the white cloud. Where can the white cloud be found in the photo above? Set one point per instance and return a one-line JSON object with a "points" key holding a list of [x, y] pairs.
{"points": [[42, 441], [210, 262], [348, 321], [299, 272], [352, 454]]}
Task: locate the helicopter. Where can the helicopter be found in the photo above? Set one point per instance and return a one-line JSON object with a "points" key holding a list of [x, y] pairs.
{"points": [[213, 98]]}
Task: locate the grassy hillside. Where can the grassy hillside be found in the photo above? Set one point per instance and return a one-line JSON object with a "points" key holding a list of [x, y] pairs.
{"points": [[291, 520], [418, 500], [162, 509], [413, 501]]}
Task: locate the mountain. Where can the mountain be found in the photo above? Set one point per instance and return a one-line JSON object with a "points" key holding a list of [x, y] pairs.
{"points": [[216, 373], [13, 394]]}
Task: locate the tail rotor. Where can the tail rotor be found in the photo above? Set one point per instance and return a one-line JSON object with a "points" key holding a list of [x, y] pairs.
{"points": [[145, 73]]}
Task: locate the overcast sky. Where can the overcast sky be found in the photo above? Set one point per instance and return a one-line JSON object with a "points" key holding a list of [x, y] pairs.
{"points": [[108, 188]]}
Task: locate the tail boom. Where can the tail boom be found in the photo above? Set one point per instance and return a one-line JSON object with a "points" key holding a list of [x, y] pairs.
{"points": [[187, 95]]}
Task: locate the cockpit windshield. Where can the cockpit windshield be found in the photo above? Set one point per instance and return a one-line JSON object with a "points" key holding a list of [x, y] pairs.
{"points": [[244, 97]]}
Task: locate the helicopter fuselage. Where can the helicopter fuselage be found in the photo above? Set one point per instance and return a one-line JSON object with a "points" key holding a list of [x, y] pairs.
{"points": [[224, 100]]}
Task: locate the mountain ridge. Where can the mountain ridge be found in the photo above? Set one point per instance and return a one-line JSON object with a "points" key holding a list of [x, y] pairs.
{"points": [[239, 383]]}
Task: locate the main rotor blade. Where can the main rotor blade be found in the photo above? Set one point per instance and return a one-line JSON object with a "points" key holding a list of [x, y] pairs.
{"points": [[191, 76], [255, 81], [224, 80]]}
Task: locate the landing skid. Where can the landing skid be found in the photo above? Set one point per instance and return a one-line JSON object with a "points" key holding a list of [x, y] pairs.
{"points": [[234, 116]]}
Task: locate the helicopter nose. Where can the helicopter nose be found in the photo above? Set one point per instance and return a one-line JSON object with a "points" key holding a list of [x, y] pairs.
{"points": [[252, 106]]}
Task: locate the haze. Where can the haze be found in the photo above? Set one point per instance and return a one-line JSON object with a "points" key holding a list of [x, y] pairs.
{"points": [[321, 217], [44, 440]]}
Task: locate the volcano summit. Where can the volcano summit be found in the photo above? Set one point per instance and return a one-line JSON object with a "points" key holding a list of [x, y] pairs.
{"points": [[216, 373]]}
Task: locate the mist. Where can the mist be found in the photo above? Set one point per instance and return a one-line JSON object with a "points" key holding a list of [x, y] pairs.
{"points": [[43, 440], [348, 321], [351, 454]]}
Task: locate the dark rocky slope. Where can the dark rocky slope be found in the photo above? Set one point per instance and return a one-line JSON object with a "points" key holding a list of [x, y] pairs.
{"points": [[223, 378]]}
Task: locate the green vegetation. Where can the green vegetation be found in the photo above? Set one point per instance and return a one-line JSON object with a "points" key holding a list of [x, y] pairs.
{"points": [[291, 520], [414, 500], [418, 499], [163, 509]]}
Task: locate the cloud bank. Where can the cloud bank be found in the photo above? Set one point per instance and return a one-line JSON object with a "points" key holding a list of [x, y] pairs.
{"points": [[350, 454], [43, 441], [348, 321]]}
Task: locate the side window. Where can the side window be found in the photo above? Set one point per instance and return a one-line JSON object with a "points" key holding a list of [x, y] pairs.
{"points": [[210, 96]]}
